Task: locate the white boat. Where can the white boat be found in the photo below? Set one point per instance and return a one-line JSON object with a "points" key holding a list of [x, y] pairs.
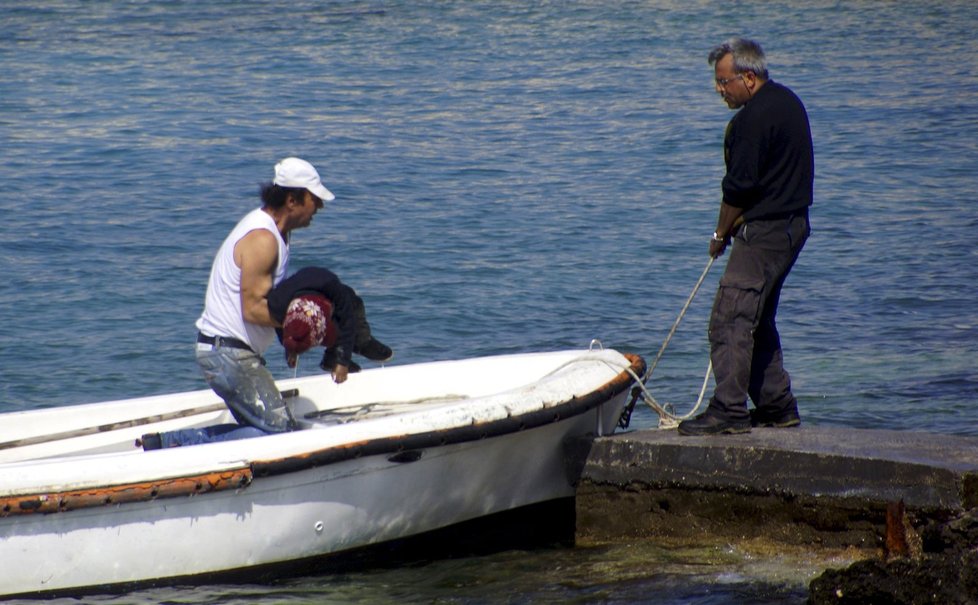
{"points": [[391, 453]]}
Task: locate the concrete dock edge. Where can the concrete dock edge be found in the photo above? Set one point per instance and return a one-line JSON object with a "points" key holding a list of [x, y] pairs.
{"points": [[826, 486]]}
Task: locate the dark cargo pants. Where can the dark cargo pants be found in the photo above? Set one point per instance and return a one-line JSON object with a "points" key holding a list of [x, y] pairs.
{"points": [[745, 347]]}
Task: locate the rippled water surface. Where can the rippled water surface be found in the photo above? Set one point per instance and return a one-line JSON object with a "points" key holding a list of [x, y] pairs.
{"points": [[510, 177]]}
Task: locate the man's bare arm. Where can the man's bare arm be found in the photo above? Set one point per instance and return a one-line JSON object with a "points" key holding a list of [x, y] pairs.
{"points": [[257, 255]]}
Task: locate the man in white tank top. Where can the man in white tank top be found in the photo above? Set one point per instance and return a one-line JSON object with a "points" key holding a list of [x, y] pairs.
{"points": [[236, 327]]}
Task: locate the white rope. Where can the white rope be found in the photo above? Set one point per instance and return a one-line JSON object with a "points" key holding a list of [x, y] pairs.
{"points": [[675, 324], [668, 419]]}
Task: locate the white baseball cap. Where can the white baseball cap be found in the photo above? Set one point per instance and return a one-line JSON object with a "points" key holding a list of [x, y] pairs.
{"points": [[294, 172]]}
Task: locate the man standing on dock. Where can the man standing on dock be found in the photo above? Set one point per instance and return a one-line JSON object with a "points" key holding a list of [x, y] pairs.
{"points": [[767, 191]]}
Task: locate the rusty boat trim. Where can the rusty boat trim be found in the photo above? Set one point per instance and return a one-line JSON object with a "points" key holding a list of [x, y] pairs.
{"points": [[59, 502]]}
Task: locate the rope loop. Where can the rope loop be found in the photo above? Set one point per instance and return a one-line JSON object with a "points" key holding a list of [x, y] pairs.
{"points": [[667, 416]]}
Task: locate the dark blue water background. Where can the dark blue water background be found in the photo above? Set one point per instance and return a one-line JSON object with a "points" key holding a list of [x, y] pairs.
{"points": [[510, 177]]}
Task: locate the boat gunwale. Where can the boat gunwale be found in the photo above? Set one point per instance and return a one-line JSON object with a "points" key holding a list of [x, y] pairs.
{"points": [[574, 406], [50, 502]]}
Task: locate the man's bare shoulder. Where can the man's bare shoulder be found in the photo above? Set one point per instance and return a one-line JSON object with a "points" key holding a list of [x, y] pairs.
{"points": [[257, 247]]}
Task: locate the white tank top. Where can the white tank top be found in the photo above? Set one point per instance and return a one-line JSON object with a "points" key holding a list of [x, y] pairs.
{"points": [[222, 306]]}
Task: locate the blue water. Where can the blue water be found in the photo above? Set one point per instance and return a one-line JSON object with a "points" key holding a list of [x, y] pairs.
{"points": [[510, 177]]}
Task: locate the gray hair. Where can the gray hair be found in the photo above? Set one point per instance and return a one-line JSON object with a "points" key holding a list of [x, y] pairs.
{"points": [[747, 56]]}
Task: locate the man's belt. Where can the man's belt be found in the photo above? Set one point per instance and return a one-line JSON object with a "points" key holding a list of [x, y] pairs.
{"points": [[780, 216], [222, 341]]}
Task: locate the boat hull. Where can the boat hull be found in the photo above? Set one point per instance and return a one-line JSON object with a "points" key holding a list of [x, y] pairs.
{"points": [[297, 507]]}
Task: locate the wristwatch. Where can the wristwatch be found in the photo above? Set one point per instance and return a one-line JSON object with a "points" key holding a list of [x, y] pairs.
{"points": [[717, 238]]}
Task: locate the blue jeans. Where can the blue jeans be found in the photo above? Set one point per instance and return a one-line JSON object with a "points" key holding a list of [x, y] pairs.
{"points": [[240, 378], [209, 434]]}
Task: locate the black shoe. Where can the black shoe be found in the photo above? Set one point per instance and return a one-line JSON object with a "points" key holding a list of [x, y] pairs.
{"points": [[780, 419], [708, 424], [150, 441], [374, 350], [331, 360]]}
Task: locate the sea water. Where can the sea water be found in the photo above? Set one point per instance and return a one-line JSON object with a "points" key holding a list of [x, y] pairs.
{"points": [[510, 177]]}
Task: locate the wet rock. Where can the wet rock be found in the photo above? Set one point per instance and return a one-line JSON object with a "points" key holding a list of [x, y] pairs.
{"points": [[945, 572]]}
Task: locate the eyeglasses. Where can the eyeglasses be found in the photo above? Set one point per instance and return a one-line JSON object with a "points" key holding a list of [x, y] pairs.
{"points": [[723, 82]]}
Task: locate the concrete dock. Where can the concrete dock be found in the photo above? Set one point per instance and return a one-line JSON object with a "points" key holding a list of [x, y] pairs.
{"points": [[819, 486]]}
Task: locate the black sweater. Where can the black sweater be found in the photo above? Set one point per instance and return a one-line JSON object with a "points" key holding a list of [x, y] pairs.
{"points": [[316, 280], [769, 156]]}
